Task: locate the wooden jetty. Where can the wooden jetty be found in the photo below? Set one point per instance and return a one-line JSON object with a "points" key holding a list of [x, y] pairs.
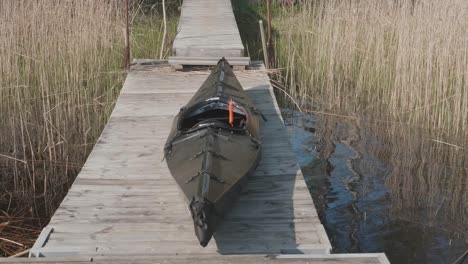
{"points": [[126, 201], [207, 31], [125, 207]]}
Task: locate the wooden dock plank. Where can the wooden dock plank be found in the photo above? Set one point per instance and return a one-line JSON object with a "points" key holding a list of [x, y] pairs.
{"points": [[208, 259], [207, 28]]}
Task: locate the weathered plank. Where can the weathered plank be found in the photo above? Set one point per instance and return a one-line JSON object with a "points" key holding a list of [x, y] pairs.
{"points": [[207, 61], [210, 259], [207, 28]]}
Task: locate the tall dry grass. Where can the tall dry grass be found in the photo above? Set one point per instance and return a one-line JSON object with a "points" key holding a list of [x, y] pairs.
{"points": [[59, 77], [398, 60], [400, 69]]}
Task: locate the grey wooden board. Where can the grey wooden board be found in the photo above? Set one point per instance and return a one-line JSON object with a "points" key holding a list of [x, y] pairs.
{"points": [[235, 61], [207, 28], [211, 259], [58, 260], [125, 198]]}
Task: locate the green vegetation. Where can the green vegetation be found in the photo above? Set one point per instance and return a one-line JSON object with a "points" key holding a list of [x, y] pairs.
{"points": [[148, 29], [247, 17]]}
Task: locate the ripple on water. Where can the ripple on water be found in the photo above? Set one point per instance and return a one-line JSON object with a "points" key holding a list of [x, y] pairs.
{"points": [[383, 190]]}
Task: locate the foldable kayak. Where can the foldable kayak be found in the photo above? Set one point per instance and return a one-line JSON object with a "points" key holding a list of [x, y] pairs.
{"points": [[214, 145]]}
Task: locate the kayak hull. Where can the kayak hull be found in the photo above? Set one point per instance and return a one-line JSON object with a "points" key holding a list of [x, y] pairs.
{"points": [[213, 147]]}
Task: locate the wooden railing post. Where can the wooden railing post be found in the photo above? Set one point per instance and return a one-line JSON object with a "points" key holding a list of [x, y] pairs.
{"points": [[266, 60], [127, 38], [269, 43]]}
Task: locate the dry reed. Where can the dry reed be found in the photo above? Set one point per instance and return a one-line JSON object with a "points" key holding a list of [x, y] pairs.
{"points": [[59, 78], [18, 231], [404, 61], [61, 72], [402, 66]]}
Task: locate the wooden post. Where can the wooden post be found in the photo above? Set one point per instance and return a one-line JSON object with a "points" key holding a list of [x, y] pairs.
{"points": [[269, 43], [161, 53], [264, 45], [127, 38]]}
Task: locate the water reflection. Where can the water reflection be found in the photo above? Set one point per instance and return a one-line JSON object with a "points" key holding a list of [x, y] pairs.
{"points": [[384, 187]]}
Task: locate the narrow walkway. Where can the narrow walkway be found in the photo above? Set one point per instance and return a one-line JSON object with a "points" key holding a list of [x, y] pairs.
{"points": [[207, 28], [126, 201]]}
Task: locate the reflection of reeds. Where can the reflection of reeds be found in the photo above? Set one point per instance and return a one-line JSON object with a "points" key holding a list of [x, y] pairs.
{"points": [[404, 60], [426, 180]]}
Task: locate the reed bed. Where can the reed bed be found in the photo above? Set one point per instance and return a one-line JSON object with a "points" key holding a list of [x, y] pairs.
{"points": [[400, 61], [400, 69], [61, 73], [18, 231]]}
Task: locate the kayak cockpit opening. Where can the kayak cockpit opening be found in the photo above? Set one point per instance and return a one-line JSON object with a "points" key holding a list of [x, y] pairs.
{"points": [[215, 113]]}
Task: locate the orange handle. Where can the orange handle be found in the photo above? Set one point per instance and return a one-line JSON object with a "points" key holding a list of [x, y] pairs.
{"points": [[231, 112]]}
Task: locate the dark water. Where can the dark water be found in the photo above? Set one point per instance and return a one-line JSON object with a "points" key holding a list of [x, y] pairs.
{"points": [[395, 193]]}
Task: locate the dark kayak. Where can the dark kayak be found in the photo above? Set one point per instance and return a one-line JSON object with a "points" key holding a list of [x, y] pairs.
{"points": [[214, 145]]}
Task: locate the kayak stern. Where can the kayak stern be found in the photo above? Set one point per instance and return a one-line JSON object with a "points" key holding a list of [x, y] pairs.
{"points": [[204, 219]]}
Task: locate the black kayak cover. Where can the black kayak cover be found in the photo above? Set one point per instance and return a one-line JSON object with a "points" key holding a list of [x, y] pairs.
{"points": [[214, 145]]}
